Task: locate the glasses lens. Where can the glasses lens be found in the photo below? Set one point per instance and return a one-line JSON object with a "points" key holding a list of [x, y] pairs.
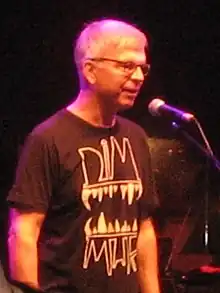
{"points": [[145, 69]]}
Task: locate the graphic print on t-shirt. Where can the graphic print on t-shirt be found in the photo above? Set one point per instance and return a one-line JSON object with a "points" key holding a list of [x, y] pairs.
{"points": [[111, 235]]}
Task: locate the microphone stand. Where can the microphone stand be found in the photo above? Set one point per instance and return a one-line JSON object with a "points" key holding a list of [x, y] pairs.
{"points": [[207, 150]]}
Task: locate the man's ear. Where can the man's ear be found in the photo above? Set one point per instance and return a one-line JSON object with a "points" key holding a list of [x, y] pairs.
{"points": [[88, 71]]}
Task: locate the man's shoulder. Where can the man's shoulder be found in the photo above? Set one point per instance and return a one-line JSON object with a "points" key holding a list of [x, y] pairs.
{"points": [[58, 123], [52, 122], [51, 128]]}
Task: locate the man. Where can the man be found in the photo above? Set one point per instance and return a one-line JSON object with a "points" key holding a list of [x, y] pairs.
{"points": [[83, 197]]}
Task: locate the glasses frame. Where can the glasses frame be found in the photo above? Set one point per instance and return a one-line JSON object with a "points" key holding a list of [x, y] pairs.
{"points": [[128, 66]]}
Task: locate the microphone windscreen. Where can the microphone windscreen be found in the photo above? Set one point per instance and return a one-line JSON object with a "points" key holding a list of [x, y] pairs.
{"points": [[154, 106]]}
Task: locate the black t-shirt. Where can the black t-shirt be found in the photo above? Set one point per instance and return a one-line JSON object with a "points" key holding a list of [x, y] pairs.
{"points": [[94, 185]]}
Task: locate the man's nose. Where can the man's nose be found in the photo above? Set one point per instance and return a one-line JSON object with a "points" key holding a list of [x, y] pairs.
{"points": [[138, 74]]}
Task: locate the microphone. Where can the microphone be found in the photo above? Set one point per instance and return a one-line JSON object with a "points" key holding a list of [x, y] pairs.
{"points": [[158, 107]]}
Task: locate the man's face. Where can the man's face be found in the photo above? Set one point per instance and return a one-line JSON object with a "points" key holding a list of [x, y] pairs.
{"points": [[118, 79]]}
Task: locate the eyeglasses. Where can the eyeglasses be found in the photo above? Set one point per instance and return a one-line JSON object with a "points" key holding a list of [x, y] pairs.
{"points": [[128, 67]]}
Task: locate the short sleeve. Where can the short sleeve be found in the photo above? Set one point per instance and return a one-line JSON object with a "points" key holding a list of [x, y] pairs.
{"points": [[149, 202], [33, 184]]}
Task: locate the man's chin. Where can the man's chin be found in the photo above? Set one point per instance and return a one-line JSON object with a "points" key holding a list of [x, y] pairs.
{"points": [[125, 101], [125, 106]]}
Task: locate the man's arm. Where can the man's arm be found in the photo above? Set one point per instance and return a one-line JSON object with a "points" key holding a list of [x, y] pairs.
{"points": [[22, 244], [147, 258]]}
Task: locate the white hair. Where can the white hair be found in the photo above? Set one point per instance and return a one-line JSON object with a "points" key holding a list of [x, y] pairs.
{"points": [[98, 35]]}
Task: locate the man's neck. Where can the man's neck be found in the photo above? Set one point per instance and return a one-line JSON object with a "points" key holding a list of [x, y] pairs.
{"points": [[86, 107]]}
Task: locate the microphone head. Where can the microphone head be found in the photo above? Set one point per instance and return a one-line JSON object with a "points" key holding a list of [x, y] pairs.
{"points": [[158, 107], [154, 106]]}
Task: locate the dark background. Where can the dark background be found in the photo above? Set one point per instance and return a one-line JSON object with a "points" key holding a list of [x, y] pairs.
{"points": [[38, 77]]}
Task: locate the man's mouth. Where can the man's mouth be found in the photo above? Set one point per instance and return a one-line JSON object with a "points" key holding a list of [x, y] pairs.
{"points": [[131, 91]]}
